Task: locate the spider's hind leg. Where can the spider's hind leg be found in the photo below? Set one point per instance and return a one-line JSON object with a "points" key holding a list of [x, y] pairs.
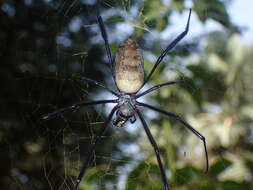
{"points": [[91, 148], [185, 124], [156, 150]]}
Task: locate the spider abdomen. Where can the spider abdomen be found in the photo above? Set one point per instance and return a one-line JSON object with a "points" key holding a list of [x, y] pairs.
{"points": [[129, 69]]}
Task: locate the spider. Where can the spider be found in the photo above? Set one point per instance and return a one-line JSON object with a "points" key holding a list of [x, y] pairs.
{"points": [[128, 75]]}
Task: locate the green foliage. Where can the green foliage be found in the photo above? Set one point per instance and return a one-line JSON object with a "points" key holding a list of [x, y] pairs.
{"points": [[153, 18], [137, 178], [190, 84], [232, 185], [215, 10], [188, 174], [219, 167]]}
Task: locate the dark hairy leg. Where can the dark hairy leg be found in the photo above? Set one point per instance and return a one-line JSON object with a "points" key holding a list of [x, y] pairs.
{"points": [[105, 38], [185, 124], [98, 84], [156, 149], [155, 88], [169, 47], [92, 147], [74, 106]]}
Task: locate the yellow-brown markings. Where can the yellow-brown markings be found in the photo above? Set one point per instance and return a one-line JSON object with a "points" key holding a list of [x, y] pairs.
{"points": [[129, 69]]}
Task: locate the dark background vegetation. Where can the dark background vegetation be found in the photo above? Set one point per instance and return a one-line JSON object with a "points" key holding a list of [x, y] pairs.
{"points": [[45, 45]]}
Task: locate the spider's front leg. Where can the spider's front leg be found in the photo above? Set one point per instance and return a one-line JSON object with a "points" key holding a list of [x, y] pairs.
{"points": [[168, 48]]}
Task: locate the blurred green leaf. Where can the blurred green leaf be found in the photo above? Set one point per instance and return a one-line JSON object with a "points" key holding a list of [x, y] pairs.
{"points": [[155, 19], [219, 167], [142, 175], [115, 18], [215, 10], [232, 185], [191, 86], [186, 175]]}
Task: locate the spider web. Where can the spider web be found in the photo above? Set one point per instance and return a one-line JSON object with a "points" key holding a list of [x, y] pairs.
{"points": [[57, 147], [64, 139]]}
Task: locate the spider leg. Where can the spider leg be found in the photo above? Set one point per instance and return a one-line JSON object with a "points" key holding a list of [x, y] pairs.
{"points": [[185, 124], [156, 87], [98, 84], [169, 47], [105, 38], [74, 106], [156, 149], [92, 147]]}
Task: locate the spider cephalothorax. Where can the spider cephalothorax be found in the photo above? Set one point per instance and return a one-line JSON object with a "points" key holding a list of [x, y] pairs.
{"points": [[128, 74], [126, 110]]}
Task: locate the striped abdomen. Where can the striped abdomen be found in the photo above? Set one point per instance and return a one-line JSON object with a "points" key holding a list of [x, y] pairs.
{"points": [[129, 69]]}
